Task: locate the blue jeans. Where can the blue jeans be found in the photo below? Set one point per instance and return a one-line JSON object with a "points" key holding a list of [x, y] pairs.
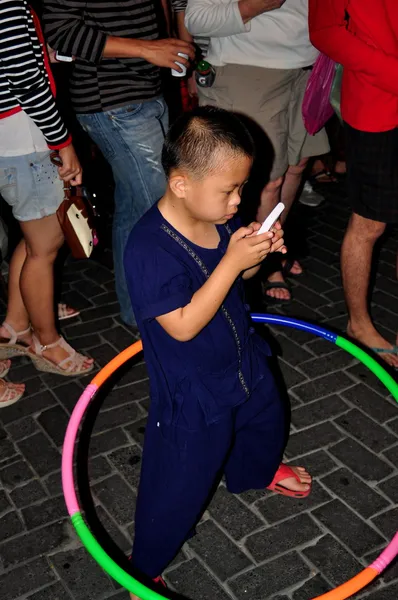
{"points": [[131, 139]]}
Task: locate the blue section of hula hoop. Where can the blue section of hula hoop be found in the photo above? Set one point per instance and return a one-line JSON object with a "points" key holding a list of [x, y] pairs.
{"points": [[295, 324]]}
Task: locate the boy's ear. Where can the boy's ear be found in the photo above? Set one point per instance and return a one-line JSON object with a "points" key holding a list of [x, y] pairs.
{"points": [[178, 185]]}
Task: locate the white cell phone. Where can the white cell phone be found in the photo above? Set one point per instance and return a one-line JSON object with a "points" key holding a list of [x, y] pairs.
{"points": [[272, 218], [63, 58]]}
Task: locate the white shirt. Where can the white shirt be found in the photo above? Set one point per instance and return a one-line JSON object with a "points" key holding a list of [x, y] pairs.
{"points": [[276, 39], [19, 135]]}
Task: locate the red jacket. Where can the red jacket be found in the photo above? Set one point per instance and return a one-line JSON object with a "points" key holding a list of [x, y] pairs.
{"points": [[367, 46]]}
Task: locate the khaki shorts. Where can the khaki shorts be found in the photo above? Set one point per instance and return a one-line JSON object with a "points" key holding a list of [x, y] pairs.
{"points": [[273, 98]]}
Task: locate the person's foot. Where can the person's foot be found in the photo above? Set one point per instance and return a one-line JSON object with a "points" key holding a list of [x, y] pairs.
{"points": [[26, 338], [371, 338], [10, 393], [340, 167], [291, 483], [66, 312], [277, 292], [61, 357], [295, 269], [309, 197], [4, 367]]}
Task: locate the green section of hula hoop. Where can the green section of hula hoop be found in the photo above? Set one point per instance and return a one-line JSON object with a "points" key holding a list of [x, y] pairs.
{"points": [[109, 566], [371, 363]]}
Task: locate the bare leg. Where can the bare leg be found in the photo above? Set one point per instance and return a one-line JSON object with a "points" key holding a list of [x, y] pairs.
{"points": [[356, 261], [286, 192], [31, 287]]}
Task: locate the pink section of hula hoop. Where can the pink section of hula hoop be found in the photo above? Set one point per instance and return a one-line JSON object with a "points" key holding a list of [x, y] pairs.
{"points": [[387, 556], [68, 483]]}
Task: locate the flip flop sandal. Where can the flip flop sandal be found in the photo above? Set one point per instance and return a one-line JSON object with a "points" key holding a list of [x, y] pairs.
{"points": [[286, 267], [393, 350], [324, 173], [4, 368], [63, 312], [270, 285], [71, 366], [13, 346], [283, 473], [8, 394]]}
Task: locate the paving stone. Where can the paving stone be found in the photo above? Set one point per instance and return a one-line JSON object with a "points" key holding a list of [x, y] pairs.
{"points": [[52, 592], [309, 297], [333, 560], [276, 507], [229, 512], [387, 522], [81, 575], [98, 467], [93, 314], [137, 430], [54, 422], [311, 589], [95, 326], [88, 288], [48, 511], [293, 353], [114, 417], [346, 486], [33, 544], [283, 537], [310, 439], [128, 462], [360, 460], [129, 393], [366, 430], [221, 555], [271, 578], [16, 473], [323, 386], [99, 274], [117, 497], [320, 347], [387, 593], [105, 442], [133, 374], [317, 367], [392, 455], [291, 376], [22, 372], [117, 536], [364, 375], [317, 463], [22, 580], [53, 483], [320, 410], [393, 425], [22, 428], [119, 337], [40, 453], [31, 405], [355, 533], [28, 494], [10, 525], [86, 343], [193, 581], [4, 503], [390, 488], [369, 401]]}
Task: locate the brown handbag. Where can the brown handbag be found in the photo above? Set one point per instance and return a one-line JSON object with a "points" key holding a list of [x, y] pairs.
{"points": [[76, 217]]}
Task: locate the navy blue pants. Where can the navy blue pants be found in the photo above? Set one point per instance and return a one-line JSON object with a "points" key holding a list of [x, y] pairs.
{"points": [[181, 468]]}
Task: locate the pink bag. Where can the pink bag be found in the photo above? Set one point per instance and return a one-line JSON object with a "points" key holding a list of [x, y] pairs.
{"points": [[317, 109]]}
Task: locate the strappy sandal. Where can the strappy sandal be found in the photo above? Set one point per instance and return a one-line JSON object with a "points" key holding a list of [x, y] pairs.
{"points": [[4, 368], [64, 312], [71, 366], [8, 394], [13, 346]]}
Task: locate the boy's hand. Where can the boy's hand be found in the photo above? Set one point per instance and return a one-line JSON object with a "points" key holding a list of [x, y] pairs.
{"points": [[246, 250], [278, 244]]}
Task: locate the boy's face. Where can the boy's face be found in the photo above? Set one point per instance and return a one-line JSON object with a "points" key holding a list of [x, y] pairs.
{"points": [[215, 197]]}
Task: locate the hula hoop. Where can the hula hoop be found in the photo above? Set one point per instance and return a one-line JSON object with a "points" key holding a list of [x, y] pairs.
{"points": [[344, 591]]}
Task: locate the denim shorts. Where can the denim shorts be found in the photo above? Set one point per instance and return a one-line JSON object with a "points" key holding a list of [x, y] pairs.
{"points": [[30, 185]]}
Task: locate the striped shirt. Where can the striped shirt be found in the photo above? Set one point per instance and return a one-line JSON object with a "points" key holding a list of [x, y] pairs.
{"points": [[79, 28], [25, 77]]}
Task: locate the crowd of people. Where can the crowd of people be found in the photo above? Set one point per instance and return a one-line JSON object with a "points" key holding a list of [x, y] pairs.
{"points": [[248, 125]]}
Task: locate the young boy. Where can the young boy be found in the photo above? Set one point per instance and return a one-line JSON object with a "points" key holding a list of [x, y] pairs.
{"points": [[215, 408]]}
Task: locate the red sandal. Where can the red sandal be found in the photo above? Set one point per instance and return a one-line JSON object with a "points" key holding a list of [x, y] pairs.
{"points": [[283, 473]]}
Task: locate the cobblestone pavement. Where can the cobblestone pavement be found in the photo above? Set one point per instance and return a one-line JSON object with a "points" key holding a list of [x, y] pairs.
{"points": [[254, 546]]}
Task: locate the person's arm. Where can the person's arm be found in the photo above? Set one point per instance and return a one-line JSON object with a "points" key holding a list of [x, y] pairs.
{"points": [[26, 81], [329, 33], [244, 252], [67, 32], [204, 17]]}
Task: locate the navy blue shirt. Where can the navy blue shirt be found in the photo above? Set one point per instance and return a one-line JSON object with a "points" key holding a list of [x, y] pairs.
{"points": [[200, 380]]}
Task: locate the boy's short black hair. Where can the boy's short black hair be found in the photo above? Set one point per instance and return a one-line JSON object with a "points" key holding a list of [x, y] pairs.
{"points": [[195, 137]]}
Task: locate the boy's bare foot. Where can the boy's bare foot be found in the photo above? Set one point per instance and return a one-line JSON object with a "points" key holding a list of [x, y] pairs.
{"points": [[370, 337]]}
